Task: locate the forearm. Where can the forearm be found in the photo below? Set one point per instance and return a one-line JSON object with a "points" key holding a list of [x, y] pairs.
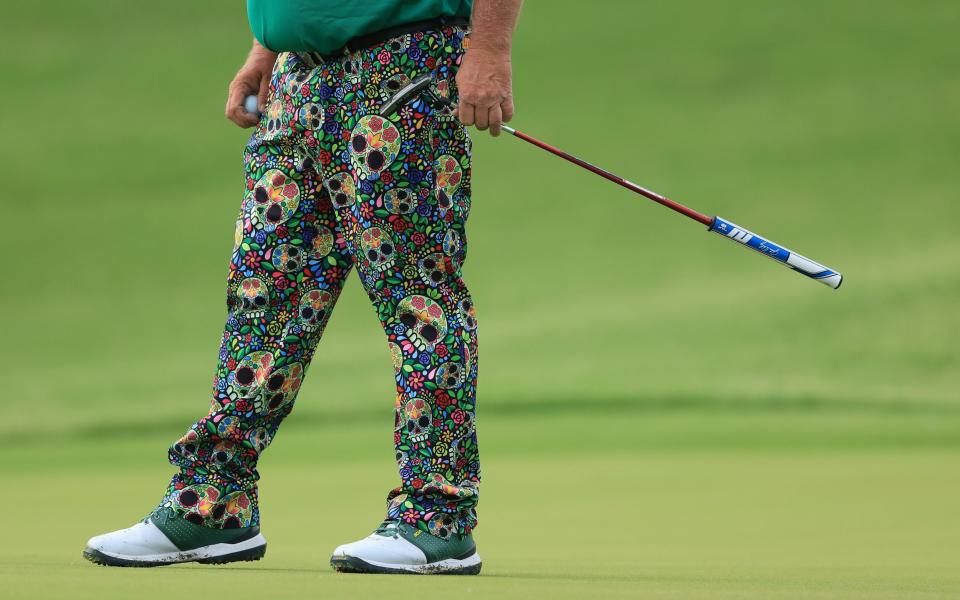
{"points": [[493, 23], [485, 75]]}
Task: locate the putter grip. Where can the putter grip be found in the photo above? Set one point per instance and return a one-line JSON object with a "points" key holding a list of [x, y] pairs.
{"points": [[797, 262]]}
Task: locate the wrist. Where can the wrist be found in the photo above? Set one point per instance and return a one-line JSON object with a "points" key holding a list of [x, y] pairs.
{"points": [[260, 52], [490, 45], [491, 54]]}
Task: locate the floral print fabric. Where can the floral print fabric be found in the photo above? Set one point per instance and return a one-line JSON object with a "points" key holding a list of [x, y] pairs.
{"points": [[333, 184]]}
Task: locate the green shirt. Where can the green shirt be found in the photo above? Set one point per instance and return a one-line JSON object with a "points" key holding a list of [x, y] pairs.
{"points": [[326, 25]]}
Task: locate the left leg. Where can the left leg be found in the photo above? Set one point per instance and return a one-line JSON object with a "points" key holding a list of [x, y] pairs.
{"points": [[411, 173]]}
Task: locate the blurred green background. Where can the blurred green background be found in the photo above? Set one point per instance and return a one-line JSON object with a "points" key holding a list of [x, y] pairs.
{"points": [[661, 414]]}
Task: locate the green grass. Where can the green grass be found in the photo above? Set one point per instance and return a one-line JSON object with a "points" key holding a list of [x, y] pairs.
{"points": [[761, 504], [661, 414]]}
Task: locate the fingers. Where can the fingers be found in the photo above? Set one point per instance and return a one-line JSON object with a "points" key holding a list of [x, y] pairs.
{"points": [[234, 110], [485, 116], [507, 109], [482, 117], [495, 119], [467, 113]]}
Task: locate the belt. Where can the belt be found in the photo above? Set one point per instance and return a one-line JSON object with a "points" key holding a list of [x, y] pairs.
{"points": [[376, 37]]}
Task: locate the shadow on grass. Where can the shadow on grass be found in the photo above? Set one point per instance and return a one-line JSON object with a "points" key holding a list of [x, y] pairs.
{"points": [[486, 574]]}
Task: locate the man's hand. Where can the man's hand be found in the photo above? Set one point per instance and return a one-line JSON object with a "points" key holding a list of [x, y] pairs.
{"points": [[252, 78], [485, 85], [485, 79]]}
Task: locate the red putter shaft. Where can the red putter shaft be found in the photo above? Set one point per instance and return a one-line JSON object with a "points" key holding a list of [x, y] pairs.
{"points": [[676, 206]]}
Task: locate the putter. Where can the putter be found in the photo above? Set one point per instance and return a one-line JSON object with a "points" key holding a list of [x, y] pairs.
{"points": [[718, 225], [389, 107]]}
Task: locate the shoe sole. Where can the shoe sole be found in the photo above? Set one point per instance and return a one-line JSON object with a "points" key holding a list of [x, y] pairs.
{"points": [[217, 554], [452, 566]]}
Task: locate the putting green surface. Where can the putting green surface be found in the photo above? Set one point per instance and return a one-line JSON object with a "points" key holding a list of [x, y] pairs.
{"points": [[661, 414], [764, 504]]}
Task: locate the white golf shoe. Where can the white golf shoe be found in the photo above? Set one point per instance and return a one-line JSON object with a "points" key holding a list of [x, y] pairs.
{"points": [[164, 539], [397, 547]]}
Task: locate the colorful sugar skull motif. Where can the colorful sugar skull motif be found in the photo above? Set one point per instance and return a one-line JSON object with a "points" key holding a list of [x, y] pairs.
{"points": [[186, 446], [398, 45], [443, 525], [310, 116], [236, 510], [287, 258], [206, 505], [280, 388], [238, 234], [314, 309], [403, 459], [396, 356], [449, 174], [450, 375], [451, 242], [331, 185], [433, 269], [253, 297], [400, 201], [273, 199], [258, 439], [416, 420], [377, 247], [227, 426], [322, 242], [390, 86], [352, 70], [343, 191], [374, 144], [198, 502], [423, 320], [251, 372], [223, 452], [467, 313], [293, 83], [274, 119]]}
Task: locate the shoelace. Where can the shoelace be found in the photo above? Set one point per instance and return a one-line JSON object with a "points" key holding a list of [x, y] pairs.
{"points": [[389, 528]]}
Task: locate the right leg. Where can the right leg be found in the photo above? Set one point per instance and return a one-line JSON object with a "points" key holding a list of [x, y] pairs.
{"points": [[288, 267]]}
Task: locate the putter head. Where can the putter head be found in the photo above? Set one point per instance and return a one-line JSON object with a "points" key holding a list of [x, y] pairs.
{"points": [[404, 94]]}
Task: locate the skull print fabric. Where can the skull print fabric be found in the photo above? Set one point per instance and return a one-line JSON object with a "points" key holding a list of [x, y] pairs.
{"points": [[332, 184]]}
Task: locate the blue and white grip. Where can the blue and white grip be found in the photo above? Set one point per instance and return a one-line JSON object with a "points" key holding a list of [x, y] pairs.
{"points": [[797, 262]]}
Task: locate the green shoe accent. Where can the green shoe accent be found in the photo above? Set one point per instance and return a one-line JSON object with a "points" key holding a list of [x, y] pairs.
{"points": [[189, 536], [457, 546]]}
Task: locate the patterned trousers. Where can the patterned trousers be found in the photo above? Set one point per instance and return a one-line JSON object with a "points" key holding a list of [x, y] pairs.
{"points": [[333, 183]]}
